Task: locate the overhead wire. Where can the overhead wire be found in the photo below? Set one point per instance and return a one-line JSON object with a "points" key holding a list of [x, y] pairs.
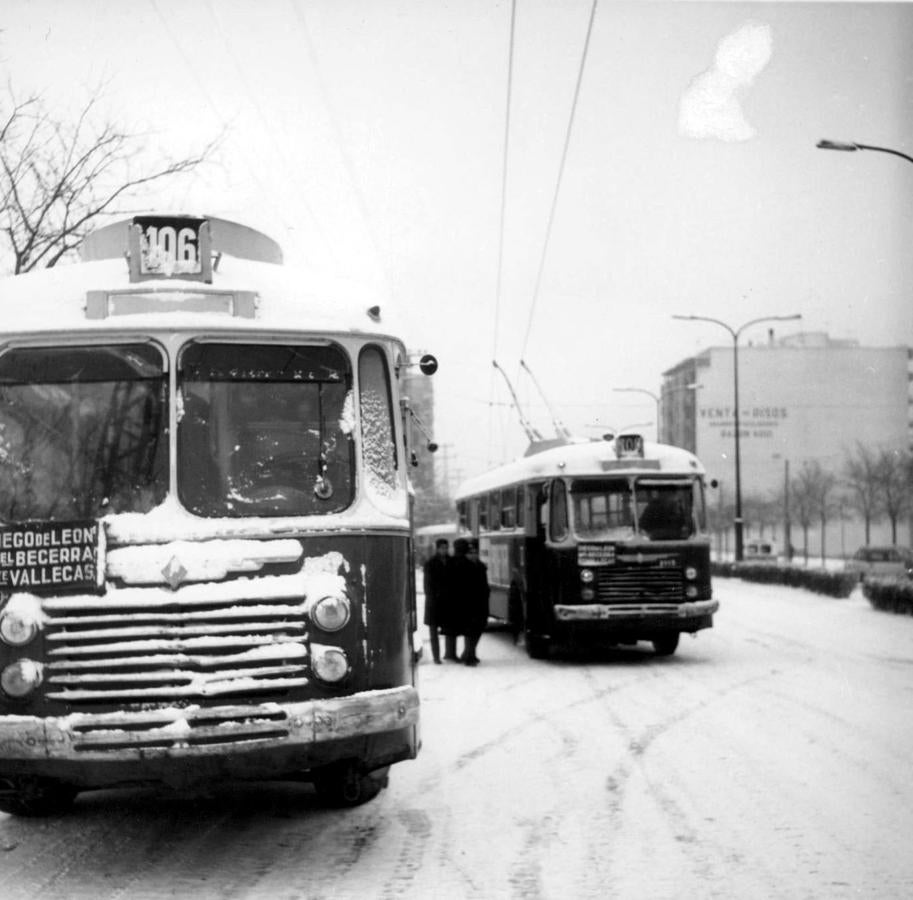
{"points": [[501, 228], [267, 195], [561, 167], [268, 131], [505, 156], [346, 157]]}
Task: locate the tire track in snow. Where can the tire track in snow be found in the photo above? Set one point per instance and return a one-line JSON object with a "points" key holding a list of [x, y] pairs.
{"points": [[417, 824]]}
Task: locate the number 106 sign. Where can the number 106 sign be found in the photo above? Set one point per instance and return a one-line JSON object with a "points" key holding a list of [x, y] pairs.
{"points": [[172, 247]]}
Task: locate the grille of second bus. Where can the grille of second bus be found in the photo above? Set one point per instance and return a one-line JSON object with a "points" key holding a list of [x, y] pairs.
{"points": [[637, 584]]}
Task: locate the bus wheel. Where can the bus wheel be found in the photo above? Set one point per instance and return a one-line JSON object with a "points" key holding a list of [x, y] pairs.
{"points": [[345, 785], [29, 795], [666, 645]]}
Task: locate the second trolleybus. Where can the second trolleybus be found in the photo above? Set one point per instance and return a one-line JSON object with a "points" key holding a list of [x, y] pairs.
{"points": [[602, 541]]}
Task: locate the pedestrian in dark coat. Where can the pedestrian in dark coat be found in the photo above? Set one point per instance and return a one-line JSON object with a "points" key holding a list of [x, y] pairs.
{"points": [[462, 577], [477, 605], [437, 595]]}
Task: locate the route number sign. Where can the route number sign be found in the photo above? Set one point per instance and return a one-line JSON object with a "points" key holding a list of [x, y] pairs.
{"points": [[170, 247]]}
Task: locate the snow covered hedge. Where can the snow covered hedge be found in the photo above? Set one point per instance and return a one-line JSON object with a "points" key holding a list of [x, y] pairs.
{"points": [[890, 594], [831, 584]]}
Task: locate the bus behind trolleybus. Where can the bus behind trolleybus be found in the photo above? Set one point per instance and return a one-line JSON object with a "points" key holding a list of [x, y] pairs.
{"points": [[206, 568], [595, 541]]}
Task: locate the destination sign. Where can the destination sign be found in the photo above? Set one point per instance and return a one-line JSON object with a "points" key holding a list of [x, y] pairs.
{"points": [[49, 555], [169, 246]]}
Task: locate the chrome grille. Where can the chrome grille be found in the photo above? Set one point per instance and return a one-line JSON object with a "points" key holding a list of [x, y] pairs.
{"points": [[163, 652], [164, 729], [638, 584]]}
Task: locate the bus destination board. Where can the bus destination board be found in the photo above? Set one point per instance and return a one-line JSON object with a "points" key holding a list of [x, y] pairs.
{"points": [[38, 556], [170, 246]]}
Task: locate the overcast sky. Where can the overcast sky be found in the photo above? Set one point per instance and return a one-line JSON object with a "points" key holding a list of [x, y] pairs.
{"points": [[368, 138]]}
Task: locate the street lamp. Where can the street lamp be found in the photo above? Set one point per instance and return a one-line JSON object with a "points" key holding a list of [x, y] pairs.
{"points": [[656, 400], [735, 332], [851, 147]]}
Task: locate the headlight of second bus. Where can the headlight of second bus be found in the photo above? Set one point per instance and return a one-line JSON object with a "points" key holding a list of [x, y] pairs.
{"points": [[690, 573]]}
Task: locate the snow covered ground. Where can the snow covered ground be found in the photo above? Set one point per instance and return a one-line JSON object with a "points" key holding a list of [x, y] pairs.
{"points": [[769, 758]]}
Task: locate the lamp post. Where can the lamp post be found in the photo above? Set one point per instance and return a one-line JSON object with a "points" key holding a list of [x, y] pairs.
{"points": [[852, 147], [656, 400], [735, 332]]}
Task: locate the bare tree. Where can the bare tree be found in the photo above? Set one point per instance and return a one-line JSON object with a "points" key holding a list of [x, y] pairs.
{"points": [[895, 492], [763, 512], [58, 177], [812, 500], [860, 471]]}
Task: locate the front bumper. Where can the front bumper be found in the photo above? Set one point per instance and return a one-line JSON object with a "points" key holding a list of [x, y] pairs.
{"points": [[647, 613], [243, 740]]}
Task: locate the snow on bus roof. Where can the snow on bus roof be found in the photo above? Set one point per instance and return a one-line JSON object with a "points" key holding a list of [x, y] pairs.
{"points": [[581, 458], [55, 300]]}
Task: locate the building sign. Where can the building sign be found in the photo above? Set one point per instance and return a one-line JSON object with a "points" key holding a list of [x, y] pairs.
{"points": [[754, 421], [48, 555]]}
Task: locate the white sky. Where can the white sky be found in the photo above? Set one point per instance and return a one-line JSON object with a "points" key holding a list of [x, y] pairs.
{"points": [[368, 138]]}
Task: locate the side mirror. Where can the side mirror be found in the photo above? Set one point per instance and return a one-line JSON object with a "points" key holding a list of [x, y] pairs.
{"points": [[714, 483], [428, 364]]}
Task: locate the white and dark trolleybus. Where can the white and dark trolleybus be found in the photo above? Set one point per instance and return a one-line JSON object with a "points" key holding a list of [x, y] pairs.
{"points": [[595, 541], [206, 567]]}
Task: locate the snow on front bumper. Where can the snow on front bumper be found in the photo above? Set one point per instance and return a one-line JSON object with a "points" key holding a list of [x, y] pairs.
{"points": [[201, 732], [595, 612]]}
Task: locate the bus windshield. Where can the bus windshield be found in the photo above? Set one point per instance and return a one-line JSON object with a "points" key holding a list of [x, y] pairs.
{"points": [[264, 429], [83, 431], [619, 508]]}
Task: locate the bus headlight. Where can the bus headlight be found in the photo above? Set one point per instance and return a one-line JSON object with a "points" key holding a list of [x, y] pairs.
{"points": [[691, 591], [21, 677], [15, 629], [690, 573], [331, 613], [329, 663], [586, 576], [587, 594]]}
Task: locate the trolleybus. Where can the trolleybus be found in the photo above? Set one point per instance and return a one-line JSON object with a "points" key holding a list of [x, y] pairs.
{"points": [[428, 535], [206, 567], [601, 541]]}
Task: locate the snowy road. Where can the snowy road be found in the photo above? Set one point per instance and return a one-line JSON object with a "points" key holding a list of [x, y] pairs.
{"points": [[771, 757]]}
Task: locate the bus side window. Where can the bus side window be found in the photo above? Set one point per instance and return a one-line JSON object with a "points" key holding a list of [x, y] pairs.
{"points": [[495, 510], [521, 507], [558, 511], [463, 515], [508, 504], [483, 512]]}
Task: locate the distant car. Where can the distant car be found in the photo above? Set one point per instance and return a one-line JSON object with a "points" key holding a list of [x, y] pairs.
{"points": [[760, 551], [882, 562]]}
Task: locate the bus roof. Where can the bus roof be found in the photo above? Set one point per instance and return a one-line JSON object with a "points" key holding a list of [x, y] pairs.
{"points": [[583, 458], [98, 296], [444, 528]]}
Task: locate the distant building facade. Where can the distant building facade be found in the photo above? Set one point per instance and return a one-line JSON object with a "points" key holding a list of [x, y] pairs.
{"points": [[803, 397]]}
